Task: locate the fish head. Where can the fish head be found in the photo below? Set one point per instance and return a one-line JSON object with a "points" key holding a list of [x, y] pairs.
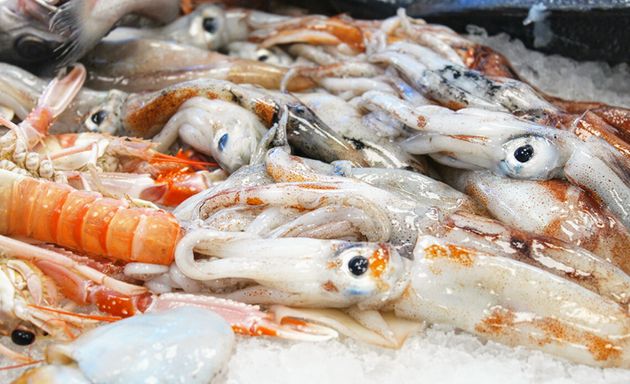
{"points": [[27, 42]]}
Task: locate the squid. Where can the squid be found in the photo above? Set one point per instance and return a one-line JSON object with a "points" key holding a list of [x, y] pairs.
{"points": [[455, 86], [491, 296], [554, 208], [392, 216], [478, 139], [146, 114], [468, 271]]}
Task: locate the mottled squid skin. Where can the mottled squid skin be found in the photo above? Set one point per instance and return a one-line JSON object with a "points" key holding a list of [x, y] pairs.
{"points": [[146, 114], [554, 208], [515, 304], [550, 254]]}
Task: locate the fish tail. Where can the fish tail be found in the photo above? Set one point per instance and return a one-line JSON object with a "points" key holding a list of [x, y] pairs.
{"points": [[73, 19]]}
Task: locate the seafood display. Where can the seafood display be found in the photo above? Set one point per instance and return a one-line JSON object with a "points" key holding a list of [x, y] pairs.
{"points": [[298, 177]]}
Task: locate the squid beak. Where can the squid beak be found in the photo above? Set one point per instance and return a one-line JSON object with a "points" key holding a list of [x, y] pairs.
{"points": [[599, 168]]}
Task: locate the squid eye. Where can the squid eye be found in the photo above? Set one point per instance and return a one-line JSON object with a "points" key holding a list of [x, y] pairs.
{"points": [[22, 337], [223, 141], [210, 25], [98, 117], [530, 157], [358, 265], [524, 153]]}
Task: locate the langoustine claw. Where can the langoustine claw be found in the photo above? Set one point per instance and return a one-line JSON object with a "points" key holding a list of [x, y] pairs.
{"points": [[15, 146]]}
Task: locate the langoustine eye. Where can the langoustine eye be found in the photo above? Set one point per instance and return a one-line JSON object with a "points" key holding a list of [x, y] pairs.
{"points": [[22, 337]]}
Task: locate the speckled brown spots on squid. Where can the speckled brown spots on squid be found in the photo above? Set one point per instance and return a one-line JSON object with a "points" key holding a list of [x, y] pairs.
{"points": [[319, 186], [476, 192], [254, 201], [348, 34], [452, 223], [502, 322], [556, 188], [461, 255], [617, 117], [590, 124], [556, 332], [378, 263], [422, 122], [470, 138], [329, 286], [486, 60], [266, 112], [454, 105], [298, 172], [334, 264], [157, 112], [498, 323]]}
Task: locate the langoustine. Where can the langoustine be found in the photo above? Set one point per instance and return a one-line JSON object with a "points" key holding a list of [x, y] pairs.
{"points": [[85, 286]]}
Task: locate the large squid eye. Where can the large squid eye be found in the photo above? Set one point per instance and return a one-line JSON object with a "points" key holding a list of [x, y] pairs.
{"points": [[22, 337], [98, 117], [530, 157], [210, 25], [524, 153], [223, 141], [358, 265]]}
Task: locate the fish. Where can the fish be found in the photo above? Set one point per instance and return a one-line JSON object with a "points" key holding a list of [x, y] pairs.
{"points": [[86, 22], [26, 40]]}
